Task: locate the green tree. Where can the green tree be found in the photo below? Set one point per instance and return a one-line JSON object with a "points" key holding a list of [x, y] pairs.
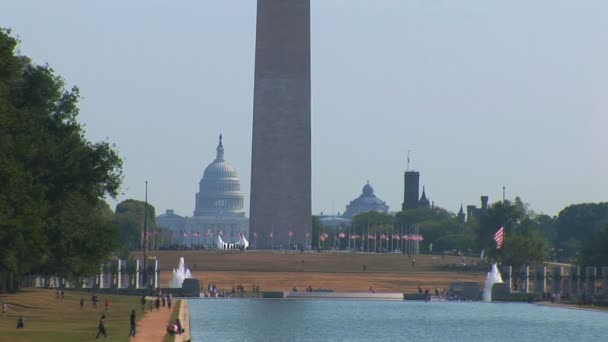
{"points": [[52, 180], [576, 223], [438, 227], [129, 217], [594, 251]]}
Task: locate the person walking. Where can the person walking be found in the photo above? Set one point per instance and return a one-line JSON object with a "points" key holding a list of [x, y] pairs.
{"points": [[20, 322], [81, 303], [143, 303], [133, 324], [101, 328]]}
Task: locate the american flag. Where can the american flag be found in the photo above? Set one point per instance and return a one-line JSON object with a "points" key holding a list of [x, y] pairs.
{"points": [[290, 234], [196, 234], [499, 237], [406, 237], [271, 234], [185, 234], [383, 236], [342, 235], [255, 234], [371, 237], [396, 237]]}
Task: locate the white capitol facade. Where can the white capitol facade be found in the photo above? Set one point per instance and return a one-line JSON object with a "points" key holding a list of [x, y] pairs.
{"points": [[218, 207]]}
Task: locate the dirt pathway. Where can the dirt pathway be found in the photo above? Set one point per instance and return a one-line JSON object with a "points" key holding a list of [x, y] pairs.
{"points": [[153, 326]]}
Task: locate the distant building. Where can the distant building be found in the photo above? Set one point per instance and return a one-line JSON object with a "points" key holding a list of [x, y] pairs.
{"points": [[218, 208], [411, 191], [366, 202], [411, 188], [473, 211], [461, 215], [334, 221]]}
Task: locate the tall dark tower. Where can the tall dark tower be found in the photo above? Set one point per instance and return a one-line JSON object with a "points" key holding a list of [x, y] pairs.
{"points": [[280, 161], [411, 189]]}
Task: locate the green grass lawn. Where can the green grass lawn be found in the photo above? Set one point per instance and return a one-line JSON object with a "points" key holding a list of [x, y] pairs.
{"points": [[50, 319]]}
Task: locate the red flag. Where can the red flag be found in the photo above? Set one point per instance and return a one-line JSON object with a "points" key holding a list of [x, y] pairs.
{"points": [[499, 237]]}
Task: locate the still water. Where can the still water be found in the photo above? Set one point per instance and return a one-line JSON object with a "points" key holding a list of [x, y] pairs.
{"points": [[341, 320]]}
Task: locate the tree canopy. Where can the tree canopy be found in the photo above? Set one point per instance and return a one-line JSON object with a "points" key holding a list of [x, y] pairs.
{"points": [[53, 219]]}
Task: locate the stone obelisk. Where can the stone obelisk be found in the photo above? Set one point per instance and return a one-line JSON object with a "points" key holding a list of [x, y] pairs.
{"points": [[280, 161]]}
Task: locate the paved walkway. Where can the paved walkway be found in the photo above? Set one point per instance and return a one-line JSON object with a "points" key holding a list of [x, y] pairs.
{"points": [[153, 326]]}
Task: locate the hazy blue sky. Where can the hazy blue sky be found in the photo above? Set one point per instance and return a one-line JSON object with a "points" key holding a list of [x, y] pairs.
{"points": [[485, 93]]}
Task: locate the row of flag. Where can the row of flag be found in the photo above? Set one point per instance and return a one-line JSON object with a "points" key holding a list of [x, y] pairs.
{"points": [[194, 234], [322, 237], [383, 236]]}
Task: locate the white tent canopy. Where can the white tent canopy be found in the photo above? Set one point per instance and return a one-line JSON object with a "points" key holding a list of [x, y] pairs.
{"points": [[221, 244]]}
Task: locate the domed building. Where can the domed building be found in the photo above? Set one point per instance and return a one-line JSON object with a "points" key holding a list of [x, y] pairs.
{"points": [[218, 207], [219, 189], [367, 201]]}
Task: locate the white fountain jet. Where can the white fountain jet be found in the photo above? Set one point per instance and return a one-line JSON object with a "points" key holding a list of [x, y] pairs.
{"points": [[180, 274], [493, 278]]}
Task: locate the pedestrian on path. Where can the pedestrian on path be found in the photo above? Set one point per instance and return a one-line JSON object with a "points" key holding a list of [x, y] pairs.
{"points": [[143, 303], [101, 328], [133, 324], [20, 322]]}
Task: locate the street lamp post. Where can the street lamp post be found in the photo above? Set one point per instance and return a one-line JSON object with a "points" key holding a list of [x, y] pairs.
{"points": [[145, 244]]}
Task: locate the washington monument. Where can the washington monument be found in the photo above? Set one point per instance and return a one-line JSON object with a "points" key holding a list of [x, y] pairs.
{"points": [[280, 160]]}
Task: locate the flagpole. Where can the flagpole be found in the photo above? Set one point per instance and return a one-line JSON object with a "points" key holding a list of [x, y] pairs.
{"points": [[145, 244]]}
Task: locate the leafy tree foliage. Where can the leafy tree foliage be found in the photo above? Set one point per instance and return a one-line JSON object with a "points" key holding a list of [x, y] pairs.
{"points": [[524, 241], [577, 223], [52, 180], [595, 249], [129, 217]]}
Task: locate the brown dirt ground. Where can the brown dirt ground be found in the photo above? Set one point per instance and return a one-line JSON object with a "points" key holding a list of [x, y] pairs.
{"points": [[281, 271]]}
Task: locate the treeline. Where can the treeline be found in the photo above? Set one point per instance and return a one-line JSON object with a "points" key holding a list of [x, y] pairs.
{"points": [[579, 233], [53, 219]]}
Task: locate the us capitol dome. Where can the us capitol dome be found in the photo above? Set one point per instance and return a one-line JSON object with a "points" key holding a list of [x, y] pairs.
{"points": [[219, 189], [218, 207]]}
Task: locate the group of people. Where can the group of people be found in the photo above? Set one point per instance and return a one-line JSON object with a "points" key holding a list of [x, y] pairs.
{"points": [[20, 319], [308, 289]]}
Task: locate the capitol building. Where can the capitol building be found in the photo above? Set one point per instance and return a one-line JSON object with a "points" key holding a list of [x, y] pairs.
{"points": [[218, 208]]}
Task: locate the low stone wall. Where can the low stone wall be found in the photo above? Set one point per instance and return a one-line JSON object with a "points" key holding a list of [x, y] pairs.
{"points": [[345, 295]]}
